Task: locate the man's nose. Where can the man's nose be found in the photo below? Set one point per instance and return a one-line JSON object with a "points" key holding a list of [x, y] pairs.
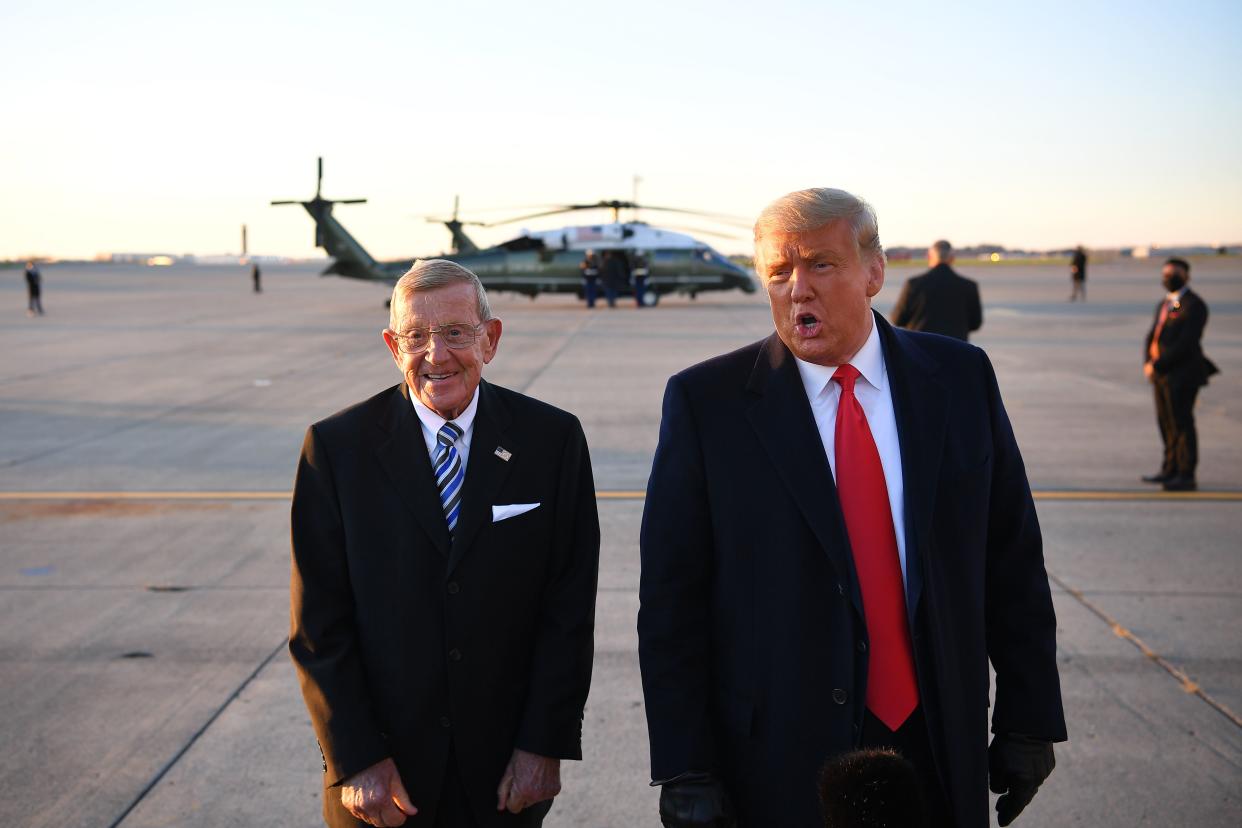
{"points": [[436, 351], [800, 285]]}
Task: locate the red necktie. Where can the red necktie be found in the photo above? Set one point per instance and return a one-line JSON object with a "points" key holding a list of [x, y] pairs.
{"points": [[892, 691], [1154, 350]]}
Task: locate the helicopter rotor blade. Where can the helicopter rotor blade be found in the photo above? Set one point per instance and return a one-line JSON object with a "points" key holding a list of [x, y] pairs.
{"points": [[698, 231], [723, 218], [615, 205], [350, 201], [541, 214], [319, 178], [285, 201], [437, 220]]}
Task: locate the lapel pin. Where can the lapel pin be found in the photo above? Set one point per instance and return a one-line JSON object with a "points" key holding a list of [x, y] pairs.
{"points": [[503, 453]]}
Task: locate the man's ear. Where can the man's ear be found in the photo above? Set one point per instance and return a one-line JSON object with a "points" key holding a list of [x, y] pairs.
{"points": [[875, 273], [391, 342], [492, 328]]}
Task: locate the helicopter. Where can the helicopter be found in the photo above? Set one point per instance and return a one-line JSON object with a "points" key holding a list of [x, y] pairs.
{"points": [[545, 261]]}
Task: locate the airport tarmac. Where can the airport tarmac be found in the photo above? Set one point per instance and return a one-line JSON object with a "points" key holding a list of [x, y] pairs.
{"points": [[149, 428]]}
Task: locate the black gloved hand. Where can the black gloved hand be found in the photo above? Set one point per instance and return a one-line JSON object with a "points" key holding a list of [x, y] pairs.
{"points": [[1017, 766], [695, 800]]}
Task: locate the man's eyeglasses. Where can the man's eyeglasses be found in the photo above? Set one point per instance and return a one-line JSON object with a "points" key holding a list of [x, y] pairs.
{"points": [[455, 335]]}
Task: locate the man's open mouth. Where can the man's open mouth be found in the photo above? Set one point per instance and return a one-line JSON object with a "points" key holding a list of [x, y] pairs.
{"points": [[807, 324]]}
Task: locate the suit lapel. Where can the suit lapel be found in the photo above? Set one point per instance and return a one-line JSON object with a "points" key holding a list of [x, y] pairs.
{"points": [[403, 456], [921, 406], [782, 419], [485, 472]]}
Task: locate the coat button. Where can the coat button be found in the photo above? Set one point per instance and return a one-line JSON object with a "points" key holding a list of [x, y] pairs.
{"points": [[839, 696], [453, 588], [862, 646], [444, 721], [841, 589], [454, 654]]}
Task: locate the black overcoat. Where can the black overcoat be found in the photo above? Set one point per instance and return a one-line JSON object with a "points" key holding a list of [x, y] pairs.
{"points": [[751, 631]]}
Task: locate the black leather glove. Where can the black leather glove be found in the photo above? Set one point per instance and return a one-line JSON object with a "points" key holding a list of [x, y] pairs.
{"points": [[1017, 766], [695, 800]]}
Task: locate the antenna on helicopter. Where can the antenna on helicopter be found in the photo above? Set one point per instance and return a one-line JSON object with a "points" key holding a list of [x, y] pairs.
{"points": [[319, 206]]}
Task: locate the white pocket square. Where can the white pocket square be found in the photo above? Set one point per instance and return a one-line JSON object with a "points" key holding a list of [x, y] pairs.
{"points": [[500, 513]]}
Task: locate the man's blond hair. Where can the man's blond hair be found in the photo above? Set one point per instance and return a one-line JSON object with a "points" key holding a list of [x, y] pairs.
{"points": [[811, 209]]}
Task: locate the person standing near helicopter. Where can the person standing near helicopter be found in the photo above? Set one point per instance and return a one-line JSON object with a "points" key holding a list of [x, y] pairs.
{"points": [[590, 277], [640, 272], [615, 275]]}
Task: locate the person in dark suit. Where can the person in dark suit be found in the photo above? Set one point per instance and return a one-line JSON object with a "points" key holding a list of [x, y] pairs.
{"points": [[445, 556], [615, 275], [838, 536], [34, 290], [1078, 274], [1174, 363], [939, 301]]}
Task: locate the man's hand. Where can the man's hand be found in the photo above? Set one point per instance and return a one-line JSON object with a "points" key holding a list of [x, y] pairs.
{"points": [[695, 800], [1149, 370], [376, 796], [1017, 766], [527, 780]]}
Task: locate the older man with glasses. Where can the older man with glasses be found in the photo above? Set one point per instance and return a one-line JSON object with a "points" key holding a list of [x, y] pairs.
{"points": [[445, 556]]}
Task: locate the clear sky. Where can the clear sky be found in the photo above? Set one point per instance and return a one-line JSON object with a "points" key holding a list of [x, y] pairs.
{"points": [[164, 126]]}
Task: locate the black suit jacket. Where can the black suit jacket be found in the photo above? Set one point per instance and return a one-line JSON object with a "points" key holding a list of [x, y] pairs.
{"points": [[939, 301], [403, 639], [1181, 342], [751, 631]]}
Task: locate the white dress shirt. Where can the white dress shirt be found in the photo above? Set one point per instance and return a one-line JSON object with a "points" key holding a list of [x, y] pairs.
{"points": [[876, 399], [433, 422]]}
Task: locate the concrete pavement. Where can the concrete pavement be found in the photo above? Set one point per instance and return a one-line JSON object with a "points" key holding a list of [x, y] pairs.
{"points": [[142, 673]]}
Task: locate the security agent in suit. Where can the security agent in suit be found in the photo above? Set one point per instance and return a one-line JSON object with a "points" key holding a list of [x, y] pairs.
{"points": [[1176, 367], [445, 555], [939, 301], [755, 643]]}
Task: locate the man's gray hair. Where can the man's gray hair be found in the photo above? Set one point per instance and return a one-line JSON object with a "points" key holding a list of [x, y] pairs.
{"points": [[429, 274], [943, 248], [811, 209]]}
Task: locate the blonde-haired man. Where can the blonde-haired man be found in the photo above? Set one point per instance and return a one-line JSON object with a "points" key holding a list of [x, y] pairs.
{"points": [[838, 535]]}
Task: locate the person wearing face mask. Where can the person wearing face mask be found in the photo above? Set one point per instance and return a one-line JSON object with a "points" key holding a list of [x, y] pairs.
{"points": [[1174, 364]]}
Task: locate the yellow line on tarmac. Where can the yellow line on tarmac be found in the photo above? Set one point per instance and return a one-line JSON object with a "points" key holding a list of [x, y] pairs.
{"points": [[605, 494]]}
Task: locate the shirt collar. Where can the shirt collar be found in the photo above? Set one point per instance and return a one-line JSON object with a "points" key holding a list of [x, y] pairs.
{"points": [[435, 422], [869, 361], [1177, 295]]}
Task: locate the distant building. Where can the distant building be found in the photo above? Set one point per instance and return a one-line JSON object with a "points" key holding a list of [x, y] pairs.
{"points": [[1154, 251]]}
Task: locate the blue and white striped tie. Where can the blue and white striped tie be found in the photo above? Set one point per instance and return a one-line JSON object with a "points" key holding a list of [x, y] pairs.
{"points": [[449, 473]]}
